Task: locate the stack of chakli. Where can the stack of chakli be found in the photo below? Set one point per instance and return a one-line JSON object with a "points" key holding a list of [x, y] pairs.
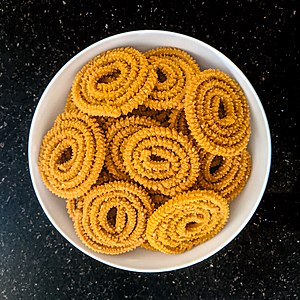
{"points": [[149, 151]]}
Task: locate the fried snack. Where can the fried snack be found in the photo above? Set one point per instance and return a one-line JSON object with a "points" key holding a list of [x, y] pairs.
{"points": [[175, 54], [113, 83], [162, 116], [72, 155], [187, 220], [159, 199], [225, 175], [147, 246], [149, 151], [178, 121], [70, 106], [116, 135], [175, 69], [113, 218], [218, 115], [161, 159], [74, 205], [104, 122]]}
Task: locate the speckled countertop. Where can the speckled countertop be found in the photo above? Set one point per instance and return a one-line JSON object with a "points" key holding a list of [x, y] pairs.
{"points": [[38, 37]]}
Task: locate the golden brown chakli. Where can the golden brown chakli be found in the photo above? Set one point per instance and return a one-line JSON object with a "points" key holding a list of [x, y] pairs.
{"points": [[114, 217], [70, 106], [218, 115], [161, 159], [72, 155], [74, 205], [176, 70], [175, 54], [162, 116], [113, 83], [187, 220]]}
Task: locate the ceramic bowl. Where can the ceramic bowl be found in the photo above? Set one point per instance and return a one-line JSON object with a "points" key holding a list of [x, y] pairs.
{"points": [[52, 103]]}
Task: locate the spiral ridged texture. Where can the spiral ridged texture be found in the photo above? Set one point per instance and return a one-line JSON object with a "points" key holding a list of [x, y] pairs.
{"points": [[147, 246], [70, 106], [113, 83], [175, 69], [72, 155], [175, 54], [149, 151], [218, 115], [161, 159], [113, 218], [178, 121], [74, 206], [118, 132], [230, 175], [187, 220]]}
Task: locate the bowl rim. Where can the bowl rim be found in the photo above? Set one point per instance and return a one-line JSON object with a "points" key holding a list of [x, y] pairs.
{"points": [[263, 115]]}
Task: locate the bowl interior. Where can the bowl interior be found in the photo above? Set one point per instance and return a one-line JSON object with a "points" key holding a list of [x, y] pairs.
{"points": [[242, 208]]}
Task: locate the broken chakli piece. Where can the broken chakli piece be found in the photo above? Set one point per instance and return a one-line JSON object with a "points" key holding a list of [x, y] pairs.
{"points": [[149, 151]]}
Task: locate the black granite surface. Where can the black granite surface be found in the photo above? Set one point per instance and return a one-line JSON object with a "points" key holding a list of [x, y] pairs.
{"points": [[38, 37]]}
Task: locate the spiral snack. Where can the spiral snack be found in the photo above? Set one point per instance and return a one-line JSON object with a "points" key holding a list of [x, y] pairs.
{"points": [[116, 135], [187, 220], [170, 89], [113, 83], [104, 122], [72, 155], [230, 175], [218, 115], [113, 218], [174, 54], [161, 159], [178, 121], [149, 151], [175, 70]]}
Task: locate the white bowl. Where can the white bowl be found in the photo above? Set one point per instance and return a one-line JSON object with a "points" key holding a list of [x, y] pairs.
{"points": [[242, 208]]}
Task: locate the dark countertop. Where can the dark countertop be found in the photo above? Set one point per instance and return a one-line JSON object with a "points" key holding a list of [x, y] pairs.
{"points": [[38, 37]]}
